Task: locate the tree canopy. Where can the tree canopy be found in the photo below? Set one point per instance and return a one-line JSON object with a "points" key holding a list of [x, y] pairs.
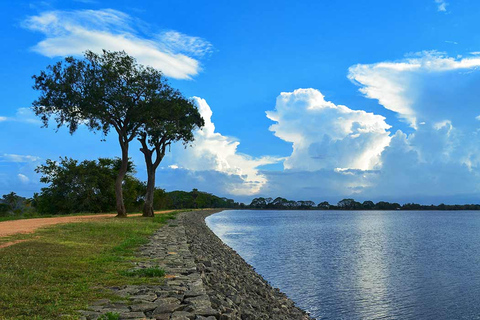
{"points": [[170, 118], [101, 91]]}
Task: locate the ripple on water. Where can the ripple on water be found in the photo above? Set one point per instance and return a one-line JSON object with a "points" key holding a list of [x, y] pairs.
{"points": [[364, 265]]}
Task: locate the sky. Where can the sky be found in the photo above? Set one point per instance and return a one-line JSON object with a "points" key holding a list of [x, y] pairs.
{"points": [[307, 100]]}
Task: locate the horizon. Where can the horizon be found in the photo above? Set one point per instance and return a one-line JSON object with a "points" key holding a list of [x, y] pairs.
{"points": [[303, 100]]}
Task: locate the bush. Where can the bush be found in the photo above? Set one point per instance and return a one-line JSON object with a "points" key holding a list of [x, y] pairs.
{"points": [[87, 186]]}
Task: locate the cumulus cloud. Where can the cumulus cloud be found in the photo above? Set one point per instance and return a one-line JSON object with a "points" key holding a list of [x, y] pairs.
{"points": [[433, 89], [325, 135], [341, 152], [213, 151], [74, 32], [437, 96], [422, 88]]}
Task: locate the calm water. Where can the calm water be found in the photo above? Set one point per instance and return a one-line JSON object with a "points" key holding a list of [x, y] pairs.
{"points": [[364, 265]]}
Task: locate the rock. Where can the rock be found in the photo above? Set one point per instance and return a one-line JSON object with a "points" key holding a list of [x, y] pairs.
{"points": [[182, 315], [205, 280], [143, 307], [132, 315], [166, 305]]}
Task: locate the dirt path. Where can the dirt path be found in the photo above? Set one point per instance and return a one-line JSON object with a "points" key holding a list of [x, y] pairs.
{"points": [[8, 228]]}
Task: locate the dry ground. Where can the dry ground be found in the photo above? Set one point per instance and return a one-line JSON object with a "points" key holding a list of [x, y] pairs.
{"points": [[9, 228]]}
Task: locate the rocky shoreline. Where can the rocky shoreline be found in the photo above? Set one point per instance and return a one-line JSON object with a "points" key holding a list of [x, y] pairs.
{"points": [[205, 279], [234, 288]]}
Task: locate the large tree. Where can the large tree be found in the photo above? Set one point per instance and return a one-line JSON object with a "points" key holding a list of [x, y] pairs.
{"points": [[170, 118], [101, 91]]}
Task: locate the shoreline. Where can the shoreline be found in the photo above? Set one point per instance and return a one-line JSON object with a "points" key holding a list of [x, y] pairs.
{"points": [[231, 283], [204, 280]]}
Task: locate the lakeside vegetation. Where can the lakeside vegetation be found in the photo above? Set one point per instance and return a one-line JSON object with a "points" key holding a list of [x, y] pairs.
{"points": [[88, 186], [60, 269], [49, 203], [350, 204]]}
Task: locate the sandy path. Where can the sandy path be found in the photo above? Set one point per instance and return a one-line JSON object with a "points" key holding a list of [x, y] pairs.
{"points": [[8, 228]]}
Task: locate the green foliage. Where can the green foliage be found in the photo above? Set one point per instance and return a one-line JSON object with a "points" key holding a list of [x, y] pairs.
{"points": [[145, 272], [170, 117], [87, 186], [110, 316], [349, 204], [13, 205], [4, 209], [190, 200], [100, 91], [161, 200]]}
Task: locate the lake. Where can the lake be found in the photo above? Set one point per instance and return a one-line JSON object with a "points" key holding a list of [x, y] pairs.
{"points": [[364, 264]]}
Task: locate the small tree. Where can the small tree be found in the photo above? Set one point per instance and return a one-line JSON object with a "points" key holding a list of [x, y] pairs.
{"points": [[349, 204], [170, 118], [12, 200], [368, 205], [324, 205], [102, 92]]}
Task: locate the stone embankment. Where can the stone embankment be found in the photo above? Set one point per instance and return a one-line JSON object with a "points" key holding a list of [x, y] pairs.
{"points": [[205, 279]]}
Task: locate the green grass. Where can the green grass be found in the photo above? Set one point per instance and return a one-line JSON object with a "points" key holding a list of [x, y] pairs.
{"points": [[110, 316], [63, 268], [145, 272]]}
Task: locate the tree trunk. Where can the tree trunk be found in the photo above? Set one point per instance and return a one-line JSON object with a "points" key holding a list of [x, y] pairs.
{"points": [[148, 206], [159, 150], [121, 211]]}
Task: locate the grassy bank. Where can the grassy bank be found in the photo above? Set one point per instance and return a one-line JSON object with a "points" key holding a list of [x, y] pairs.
{"points": [[58, 270]]}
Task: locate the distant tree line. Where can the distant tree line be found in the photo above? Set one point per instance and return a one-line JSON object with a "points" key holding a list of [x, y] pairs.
{"points": [[74, 186], [280, 203]]}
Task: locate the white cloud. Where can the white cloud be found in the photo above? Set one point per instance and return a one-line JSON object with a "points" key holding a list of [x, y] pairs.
{"points": [[441, 5], [8, 157], [442, 156], [424, 166], [174, 41], [74, 32], [23, 115], [23, 178], [400, 86], [341, 152], [213, 151], [325, 135]]}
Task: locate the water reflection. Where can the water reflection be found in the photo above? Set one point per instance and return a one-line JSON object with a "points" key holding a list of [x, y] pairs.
{"points": [[364, 265]]}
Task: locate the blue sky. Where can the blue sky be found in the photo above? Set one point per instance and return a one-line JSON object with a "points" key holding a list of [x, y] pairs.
{"points": [[314, 100]]}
